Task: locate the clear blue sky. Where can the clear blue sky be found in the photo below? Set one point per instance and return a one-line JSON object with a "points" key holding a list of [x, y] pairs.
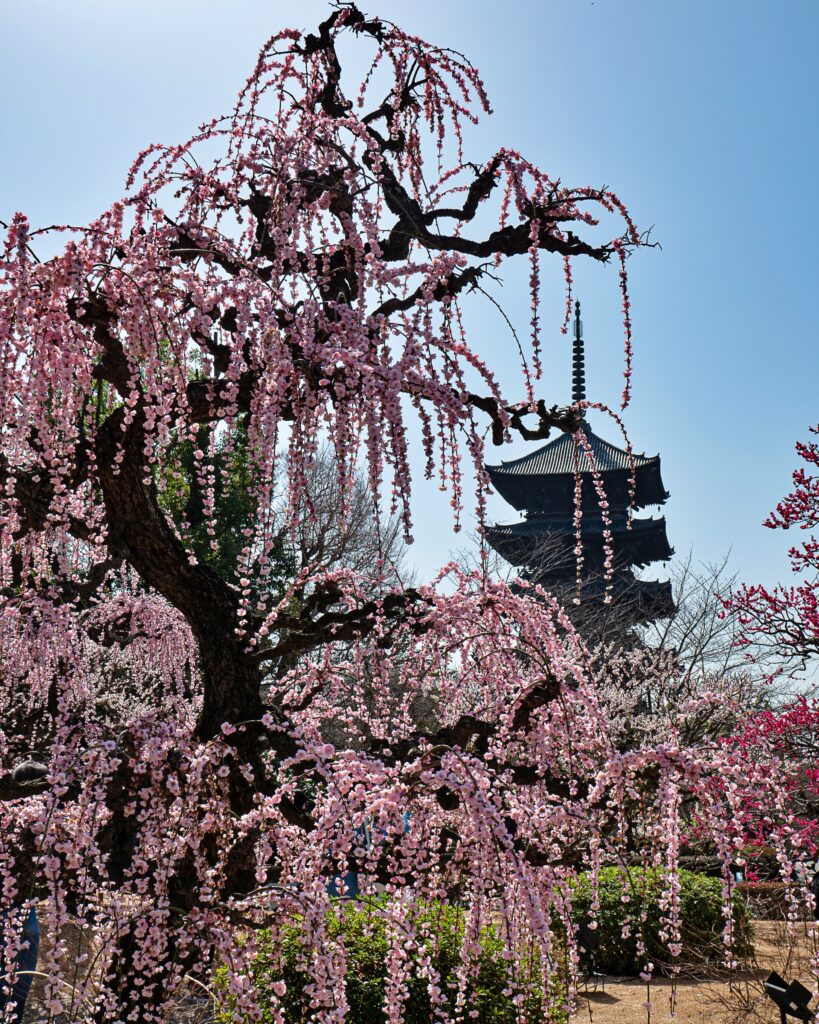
{"points": [[701, 114]]}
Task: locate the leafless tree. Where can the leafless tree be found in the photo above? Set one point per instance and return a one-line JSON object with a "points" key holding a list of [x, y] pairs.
{"points": [[705, 639], [338, 530]]}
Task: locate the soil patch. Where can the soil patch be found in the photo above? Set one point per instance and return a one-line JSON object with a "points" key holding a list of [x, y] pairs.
{"points": [[735, 999]]}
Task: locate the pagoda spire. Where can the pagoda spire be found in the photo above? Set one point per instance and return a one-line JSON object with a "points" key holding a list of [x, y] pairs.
{"points": [[578, 359]]}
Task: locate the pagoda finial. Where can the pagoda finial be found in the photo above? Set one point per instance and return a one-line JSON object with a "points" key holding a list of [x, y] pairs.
{"points": [[578, 359]]}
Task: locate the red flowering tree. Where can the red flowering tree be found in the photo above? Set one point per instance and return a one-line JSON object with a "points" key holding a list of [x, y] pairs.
{"points": [[219, 751], [788, 738]]}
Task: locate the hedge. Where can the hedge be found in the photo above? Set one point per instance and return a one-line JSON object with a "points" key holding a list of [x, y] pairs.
{"points": [[365, 941], [701, 915], [364, 936]]}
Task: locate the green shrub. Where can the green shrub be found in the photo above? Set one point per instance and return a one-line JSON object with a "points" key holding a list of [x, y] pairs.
{"points": [[365, 941], [701, 917]]}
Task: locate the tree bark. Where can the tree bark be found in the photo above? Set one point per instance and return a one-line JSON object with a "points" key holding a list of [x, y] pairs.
{"points": [[138, 532]]}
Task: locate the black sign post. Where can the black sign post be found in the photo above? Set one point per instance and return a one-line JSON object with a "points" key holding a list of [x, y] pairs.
{"points": [[792, 999], [587, 942]]}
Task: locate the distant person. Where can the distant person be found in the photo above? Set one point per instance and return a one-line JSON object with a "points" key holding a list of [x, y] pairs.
{"points": [[28, 771]]}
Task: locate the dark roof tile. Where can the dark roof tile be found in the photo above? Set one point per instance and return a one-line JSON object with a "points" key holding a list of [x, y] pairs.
{"points": [[558, 456]]}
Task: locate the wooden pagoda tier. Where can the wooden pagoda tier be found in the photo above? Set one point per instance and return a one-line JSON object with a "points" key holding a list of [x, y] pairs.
{"points": [[544, 480], [543, 486], [633, 601], [547, 542]]}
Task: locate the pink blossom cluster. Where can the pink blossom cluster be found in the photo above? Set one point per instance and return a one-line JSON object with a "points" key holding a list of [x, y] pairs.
{"points": [[789, 738]]}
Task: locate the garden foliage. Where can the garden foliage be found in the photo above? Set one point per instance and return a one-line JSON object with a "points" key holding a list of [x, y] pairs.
{"points": [[494, 990], [633, 920]]}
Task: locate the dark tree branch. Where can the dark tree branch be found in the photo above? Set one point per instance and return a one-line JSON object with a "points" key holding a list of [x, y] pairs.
{"points": [[317, 622], [95, 314], [10, 789], [34, 495], [454, 284], [565, 418]]}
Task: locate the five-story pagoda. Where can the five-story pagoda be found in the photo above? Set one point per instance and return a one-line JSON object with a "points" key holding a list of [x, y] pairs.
{"points": [[566, 553]]}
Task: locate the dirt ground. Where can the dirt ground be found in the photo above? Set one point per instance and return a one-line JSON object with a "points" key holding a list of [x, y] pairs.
{"points": [[737, 1000]]}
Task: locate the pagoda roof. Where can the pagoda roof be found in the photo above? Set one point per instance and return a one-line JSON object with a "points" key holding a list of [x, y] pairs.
{"points": [[552, 538], [637, 600], [544, 480], [558, 456], [591, 525]]}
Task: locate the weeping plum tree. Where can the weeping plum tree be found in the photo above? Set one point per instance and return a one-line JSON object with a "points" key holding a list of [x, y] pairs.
{"points": [[293, 276]]}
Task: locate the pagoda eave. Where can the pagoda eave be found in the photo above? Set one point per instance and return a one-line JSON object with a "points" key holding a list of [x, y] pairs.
{"points": [[552, 541], [554, 493], [631, 600]]}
